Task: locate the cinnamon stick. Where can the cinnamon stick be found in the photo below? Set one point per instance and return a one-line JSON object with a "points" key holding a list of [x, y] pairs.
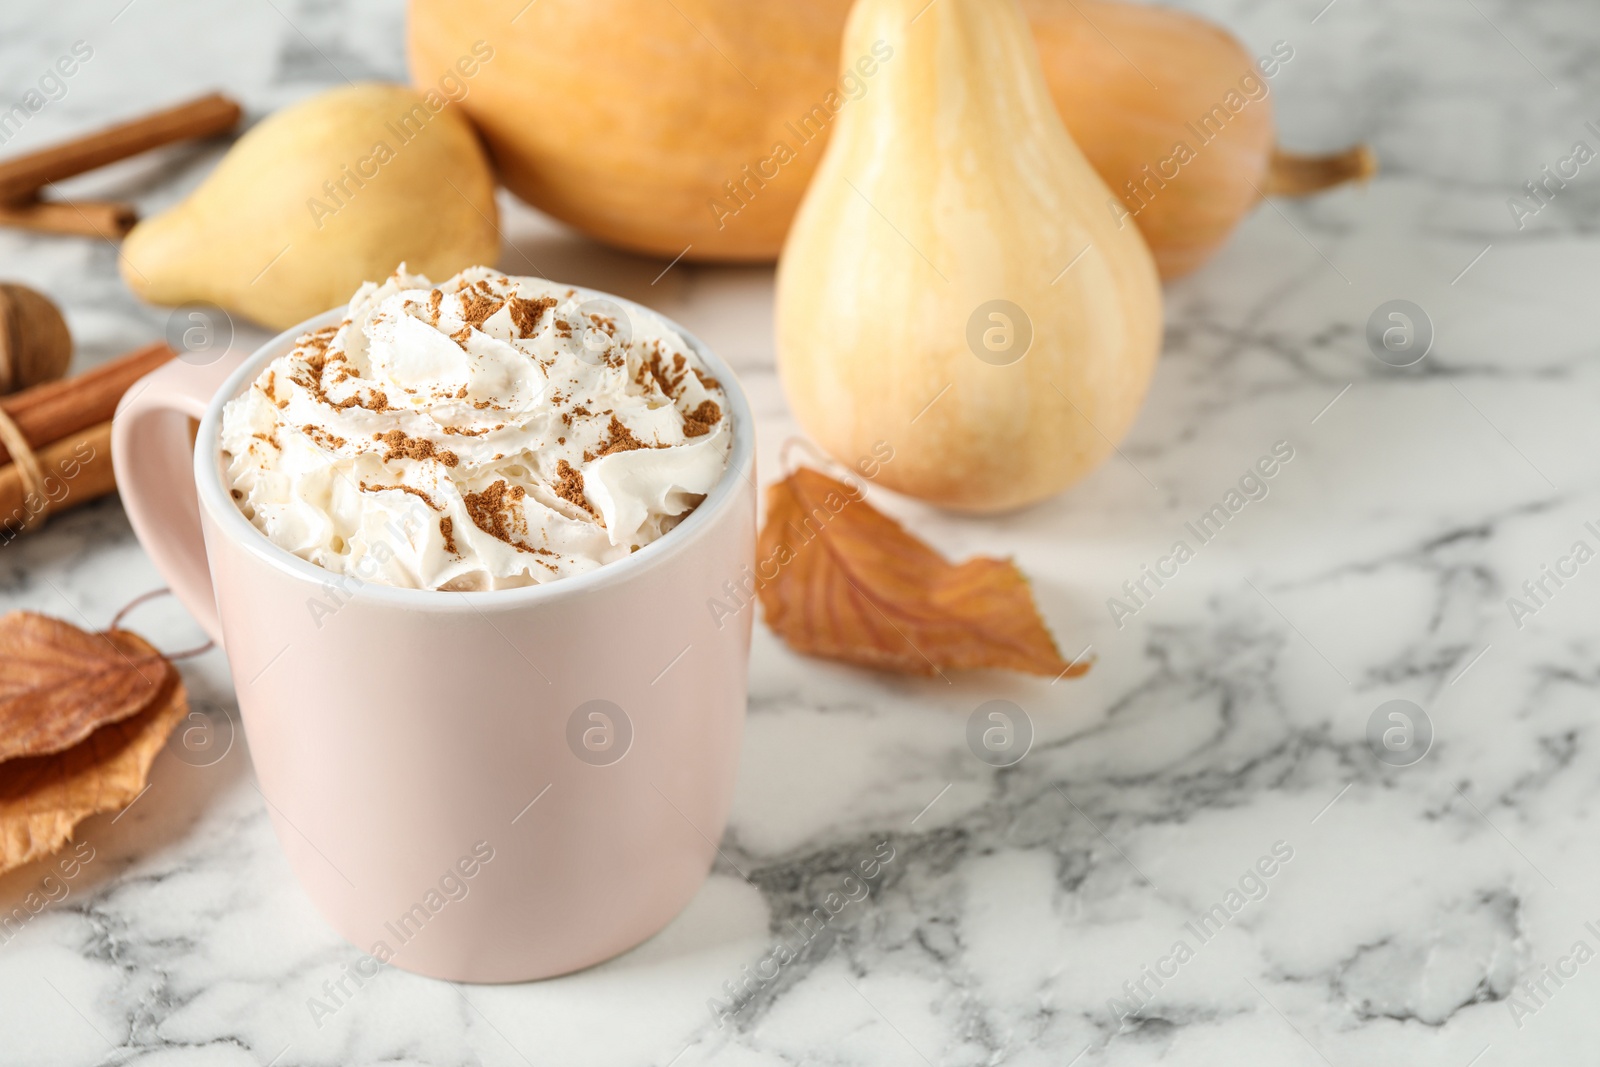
{"points": [[85, 218], [76, 469], [24, 176], [53, 411]]}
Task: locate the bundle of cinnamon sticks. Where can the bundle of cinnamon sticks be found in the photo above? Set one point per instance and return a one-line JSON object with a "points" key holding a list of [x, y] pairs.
{"points": [[22, 179], [68, 426]]}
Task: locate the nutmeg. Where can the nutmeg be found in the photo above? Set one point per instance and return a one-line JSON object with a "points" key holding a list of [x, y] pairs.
{"points": [[35, 345]]}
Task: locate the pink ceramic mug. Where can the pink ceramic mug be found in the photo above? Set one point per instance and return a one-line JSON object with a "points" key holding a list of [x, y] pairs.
{"points": [[482, 787]]}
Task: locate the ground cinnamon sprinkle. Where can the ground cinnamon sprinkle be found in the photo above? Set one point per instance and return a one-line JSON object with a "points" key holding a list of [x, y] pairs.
{"points": [[322, 437], [435, 298], [669, 381], [447, 530], [698, 422], [316, 342], [608, 326], [413, 490], [460, 336], [378, 401], [621, 439], [317, 363], [401, 446], [497, 512], [527, 313], [477, 307], [569, 486]]}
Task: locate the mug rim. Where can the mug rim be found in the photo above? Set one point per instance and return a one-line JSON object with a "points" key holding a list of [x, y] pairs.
{"points": [[213, 495]]}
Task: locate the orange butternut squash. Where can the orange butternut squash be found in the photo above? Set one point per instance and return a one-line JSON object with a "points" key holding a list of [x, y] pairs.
{"points": [[693, 127]]}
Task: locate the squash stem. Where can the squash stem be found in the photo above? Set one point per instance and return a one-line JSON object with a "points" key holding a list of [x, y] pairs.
{"points": [[1290, 174]]}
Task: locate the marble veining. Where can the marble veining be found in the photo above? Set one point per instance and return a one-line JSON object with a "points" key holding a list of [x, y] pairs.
{"points": [[1063, 910]]}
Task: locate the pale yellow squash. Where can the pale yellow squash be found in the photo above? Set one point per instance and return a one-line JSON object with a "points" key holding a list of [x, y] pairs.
{"points": [[953, 185], [336, 190]]}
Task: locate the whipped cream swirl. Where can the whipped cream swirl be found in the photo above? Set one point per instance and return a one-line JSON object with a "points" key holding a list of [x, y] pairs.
{"points": [[486, 433]]}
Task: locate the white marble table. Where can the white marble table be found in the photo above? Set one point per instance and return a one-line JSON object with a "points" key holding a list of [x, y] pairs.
{"points": [[1426, 914]]}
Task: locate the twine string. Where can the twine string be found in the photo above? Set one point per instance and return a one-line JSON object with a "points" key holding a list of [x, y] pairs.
{"points": [[116, 624], [27, 463]]}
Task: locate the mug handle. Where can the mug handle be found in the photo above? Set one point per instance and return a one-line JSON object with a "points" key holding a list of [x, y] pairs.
{"points": [[152, 452]]}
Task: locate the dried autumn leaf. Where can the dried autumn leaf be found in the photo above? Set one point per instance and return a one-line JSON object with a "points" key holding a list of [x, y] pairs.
{"points": [[42, 798], [58, 684], [853, 585]]}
